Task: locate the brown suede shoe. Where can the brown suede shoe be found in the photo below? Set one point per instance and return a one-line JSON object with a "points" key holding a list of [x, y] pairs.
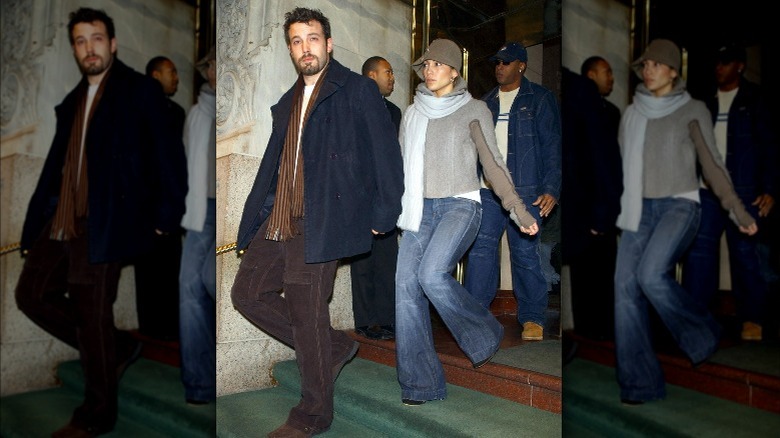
{"points": [[132, 355], [532, 331], [343, 361], [751, 331]]}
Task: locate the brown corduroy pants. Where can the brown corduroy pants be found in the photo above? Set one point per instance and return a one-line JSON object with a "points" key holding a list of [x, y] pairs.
{"points": [[300, 318]]}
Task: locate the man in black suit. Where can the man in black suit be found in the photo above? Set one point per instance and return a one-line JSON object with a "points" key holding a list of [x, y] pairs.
{"points": [[157, 272], [373, 273], [592, 184], [111, 181]]}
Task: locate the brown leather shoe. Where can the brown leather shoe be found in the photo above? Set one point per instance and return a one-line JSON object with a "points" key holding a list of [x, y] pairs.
{"points": [[532, 331], [287, 431]]}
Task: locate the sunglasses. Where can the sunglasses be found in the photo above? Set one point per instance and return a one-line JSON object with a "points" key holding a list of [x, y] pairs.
{"points": [[500, 62]]}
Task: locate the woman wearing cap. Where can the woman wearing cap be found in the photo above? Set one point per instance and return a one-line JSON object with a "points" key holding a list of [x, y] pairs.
{"points": [[442, 135], [663, 134]]}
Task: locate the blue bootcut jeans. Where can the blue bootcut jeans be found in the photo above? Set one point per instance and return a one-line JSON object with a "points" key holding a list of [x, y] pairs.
{"points": [[644, 276], [528, 280], [426, 259], [197, 309]]}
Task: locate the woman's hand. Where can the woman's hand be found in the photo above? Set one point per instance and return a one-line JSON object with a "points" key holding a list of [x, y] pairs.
{"points": [[749, 230], [533, 229]]}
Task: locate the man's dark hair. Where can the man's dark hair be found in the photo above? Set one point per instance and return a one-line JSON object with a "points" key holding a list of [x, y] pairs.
{"points": [[155, 64], [371, 64], [304, 15], [87, 15], [589, 64]]}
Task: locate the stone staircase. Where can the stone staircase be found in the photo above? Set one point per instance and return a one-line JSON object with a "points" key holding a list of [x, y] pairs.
{"points": [[535, 389], [151, 401], [751, 388], [151, 404], [367, 404]]}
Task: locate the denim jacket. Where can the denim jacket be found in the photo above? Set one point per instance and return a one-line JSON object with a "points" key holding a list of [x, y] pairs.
{"points": [[534, 143], [752, 149]]}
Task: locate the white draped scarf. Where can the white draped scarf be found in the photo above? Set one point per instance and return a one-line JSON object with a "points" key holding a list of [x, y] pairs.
{"points": [[426, 106], [645, 107]]}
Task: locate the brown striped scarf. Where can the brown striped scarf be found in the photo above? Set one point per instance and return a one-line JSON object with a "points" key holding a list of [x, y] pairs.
{"points": [[73, 201], [288, 204]]}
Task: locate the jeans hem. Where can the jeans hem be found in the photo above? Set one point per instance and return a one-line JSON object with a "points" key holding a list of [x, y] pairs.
{"points": [[424, 395], [643, 394], [200, 395]]}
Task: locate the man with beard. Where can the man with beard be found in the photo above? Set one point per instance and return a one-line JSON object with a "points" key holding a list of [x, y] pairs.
{"points": [[111, 181], [332, 134]]}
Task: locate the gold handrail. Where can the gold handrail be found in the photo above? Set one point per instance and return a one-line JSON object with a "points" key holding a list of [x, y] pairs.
{"points": [[226, 248], [16, 246], [10, 248]]}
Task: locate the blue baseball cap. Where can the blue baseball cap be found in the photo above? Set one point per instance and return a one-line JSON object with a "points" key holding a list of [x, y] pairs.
{"points": [[511, 51]]}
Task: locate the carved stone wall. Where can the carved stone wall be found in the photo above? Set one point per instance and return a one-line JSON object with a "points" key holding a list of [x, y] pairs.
{"points": [[22, 43]]}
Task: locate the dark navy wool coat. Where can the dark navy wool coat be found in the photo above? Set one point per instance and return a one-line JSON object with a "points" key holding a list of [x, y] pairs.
{"points": [[137, 170], [353, 171]]}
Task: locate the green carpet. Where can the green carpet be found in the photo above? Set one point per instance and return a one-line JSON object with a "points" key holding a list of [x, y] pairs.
{"points": [[592, 408], [542, 356], [368, 404], [755, 357], [151, 404]]}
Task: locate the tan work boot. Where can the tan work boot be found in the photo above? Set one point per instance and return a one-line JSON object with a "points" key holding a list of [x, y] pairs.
{"points": [[751, 331], [532, 331]]}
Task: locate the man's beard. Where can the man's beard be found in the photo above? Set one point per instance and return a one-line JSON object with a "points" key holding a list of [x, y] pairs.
{"points": [[94, 68], [313, 67]]}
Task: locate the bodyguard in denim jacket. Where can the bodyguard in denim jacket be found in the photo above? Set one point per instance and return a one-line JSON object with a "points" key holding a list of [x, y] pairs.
{"points": [[533, 156], [534, 139], [744, 131]]}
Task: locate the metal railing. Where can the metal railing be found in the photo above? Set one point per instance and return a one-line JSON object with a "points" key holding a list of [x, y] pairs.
{"points": [[10, 248], [16, 246], [226, 248]]}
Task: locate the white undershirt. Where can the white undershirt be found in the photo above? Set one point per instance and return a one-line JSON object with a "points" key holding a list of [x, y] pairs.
{"points": [[725, 99], [505, 99], [307, 90], [90, 98]]}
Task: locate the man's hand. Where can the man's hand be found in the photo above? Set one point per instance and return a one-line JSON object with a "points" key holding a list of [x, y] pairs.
{"points": [[546, 203], [765, 203]]}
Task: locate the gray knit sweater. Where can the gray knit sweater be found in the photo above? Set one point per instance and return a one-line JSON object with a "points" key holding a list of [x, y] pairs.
{"points": [[673, 144], [451, 156]]}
